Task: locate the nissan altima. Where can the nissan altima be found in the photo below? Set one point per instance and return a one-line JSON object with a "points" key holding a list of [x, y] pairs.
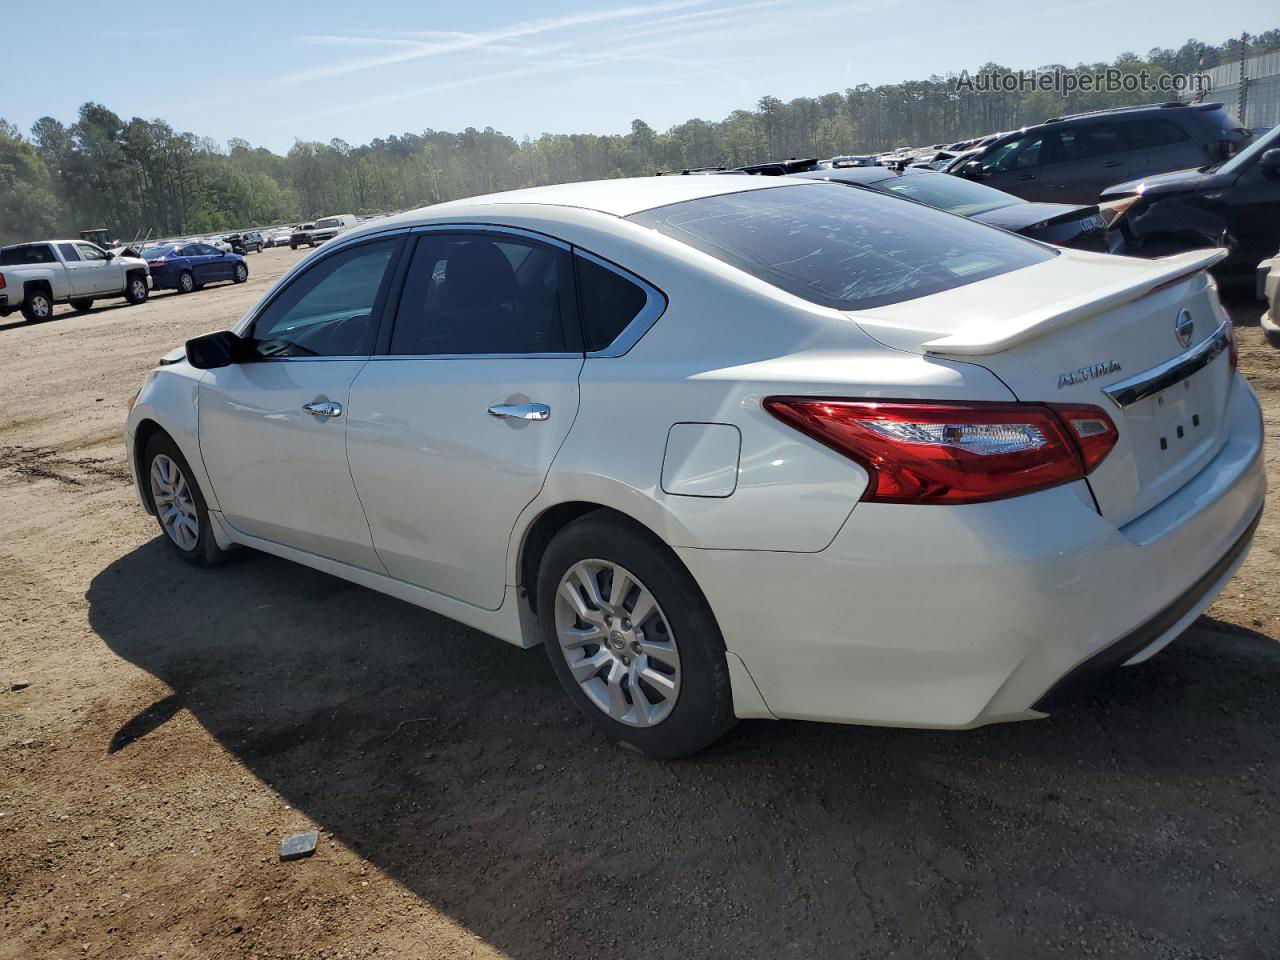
{"points": [[731, 447]]}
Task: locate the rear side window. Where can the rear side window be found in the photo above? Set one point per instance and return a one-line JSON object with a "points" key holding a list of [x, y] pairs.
{"points": [[68, 251], [842, 248], [1087, 142], [22, 256], [608, 302], [1157, 132], [471, 294]]}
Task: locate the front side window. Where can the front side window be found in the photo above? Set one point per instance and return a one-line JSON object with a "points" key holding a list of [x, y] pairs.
{"points": [[471, 294], [68, 251], [1020, 154], [329, 309], [842, 248], [608, 301], [89, 252]]}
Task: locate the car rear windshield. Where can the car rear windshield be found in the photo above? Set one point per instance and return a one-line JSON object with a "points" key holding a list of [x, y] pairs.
{"points": [[156, 253], [843, 248], [953, 194], [21, 256]]}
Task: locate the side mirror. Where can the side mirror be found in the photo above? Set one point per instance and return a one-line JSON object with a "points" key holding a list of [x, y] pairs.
{"points": [[220, 349], [971, 170], [1270, 162], [110, 255]]}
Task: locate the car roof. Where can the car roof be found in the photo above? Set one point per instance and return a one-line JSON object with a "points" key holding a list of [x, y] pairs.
{"points": [[620, 197]]}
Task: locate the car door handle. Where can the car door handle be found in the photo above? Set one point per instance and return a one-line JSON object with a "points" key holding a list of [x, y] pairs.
{"points": [[520, 411], [1113, 163], [1026, 176], [325, 408]]}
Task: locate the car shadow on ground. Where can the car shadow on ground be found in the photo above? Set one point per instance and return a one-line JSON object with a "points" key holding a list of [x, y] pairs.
{"points": [[1137, 821]]}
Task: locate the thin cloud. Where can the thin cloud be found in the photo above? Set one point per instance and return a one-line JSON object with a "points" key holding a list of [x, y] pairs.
{"points": [[418, 51]]}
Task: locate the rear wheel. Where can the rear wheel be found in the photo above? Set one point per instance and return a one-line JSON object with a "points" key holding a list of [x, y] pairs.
{"points": [[186, 282], [80, 306], [632, 639], [37, 306], [179, 504], [242, 273], [136, 290]]}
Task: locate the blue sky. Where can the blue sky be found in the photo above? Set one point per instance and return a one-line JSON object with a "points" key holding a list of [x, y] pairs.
{"points": [[275, 71]]}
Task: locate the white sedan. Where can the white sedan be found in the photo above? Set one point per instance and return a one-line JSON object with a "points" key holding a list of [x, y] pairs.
{"points": [[731, 447]]}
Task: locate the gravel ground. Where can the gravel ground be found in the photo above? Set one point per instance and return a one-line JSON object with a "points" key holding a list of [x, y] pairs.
{"points": [[175, 724]]}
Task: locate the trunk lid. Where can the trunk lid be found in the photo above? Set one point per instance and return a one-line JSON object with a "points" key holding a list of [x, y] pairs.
{"points": [[1102, 330]]}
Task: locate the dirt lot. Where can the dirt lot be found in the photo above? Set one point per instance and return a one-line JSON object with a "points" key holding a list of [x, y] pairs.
{"points": [[175, 723]]}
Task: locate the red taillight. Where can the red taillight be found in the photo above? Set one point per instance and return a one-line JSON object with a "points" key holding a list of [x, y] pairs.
{"points": [[1, 281], [158, 262], [954, 453]]}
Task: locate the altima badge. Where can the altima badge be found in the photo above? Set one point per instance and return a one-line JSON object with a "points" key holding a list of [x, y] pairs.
{"points": [[1184, 327], [1072, 377]]}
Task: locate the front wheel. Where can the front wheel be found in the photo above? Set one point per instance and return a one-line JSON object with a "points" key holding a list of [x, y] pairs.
{"points": [[242, 273], [136, 290], [179, 504], [37, 306], [631, 638], [81, 306]]}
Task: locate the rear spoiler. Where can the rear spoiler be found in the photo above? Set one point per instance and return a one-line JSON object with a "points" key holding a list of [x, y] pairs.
{"points": [[987, 338]]}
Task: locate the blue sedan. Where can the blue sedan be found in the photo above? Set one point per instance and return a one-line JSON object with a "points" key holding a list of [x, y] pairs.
{"points": [[189, 266]]}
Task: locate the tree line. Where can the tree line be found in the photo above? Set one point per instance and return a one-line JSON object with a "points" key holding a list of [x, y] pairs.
{"points": [[142, 176]]}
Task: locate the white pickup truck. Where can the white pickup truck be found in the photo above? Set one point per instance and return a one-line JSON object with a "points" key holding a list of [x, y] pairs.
{"points": [[35, 276]]}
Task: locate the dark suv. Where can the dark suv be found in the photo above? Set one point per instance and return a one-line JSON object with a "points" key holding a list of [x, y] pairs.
{"points": [[1073, 159]]}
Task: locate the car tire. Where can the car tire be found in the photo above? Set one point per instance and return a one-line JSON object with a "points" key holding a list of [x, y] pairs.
{"points": [[179, 504], [293, 246], [241, 273], [688, 701], [81, 306], [136, 290], [37, 306], [186, 282]]}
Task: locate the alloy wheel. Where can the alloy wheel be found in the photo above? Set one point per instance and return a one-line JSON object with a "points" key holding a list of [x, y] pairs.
{"points": [[139, 289], [617, 643], [175, 505], [41, 307]]}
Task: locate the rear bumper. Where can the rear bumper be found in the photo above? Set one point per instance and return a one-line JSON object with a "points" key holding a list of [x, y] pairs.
{"points": [[962, 616]]}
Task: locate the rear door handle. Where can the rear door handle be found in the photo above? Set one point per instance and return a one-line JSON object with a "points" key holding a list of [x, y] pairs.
{"points": [[325, 408], [520, 411], [1026, 176], [1113, 163]]}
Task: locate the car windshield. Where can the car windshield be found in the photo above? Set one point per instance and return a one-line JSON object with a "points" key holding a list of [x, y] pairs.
{"points": [[842, 248], [948, 193], [156, 253], [326, 223], [1246, 156]]}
